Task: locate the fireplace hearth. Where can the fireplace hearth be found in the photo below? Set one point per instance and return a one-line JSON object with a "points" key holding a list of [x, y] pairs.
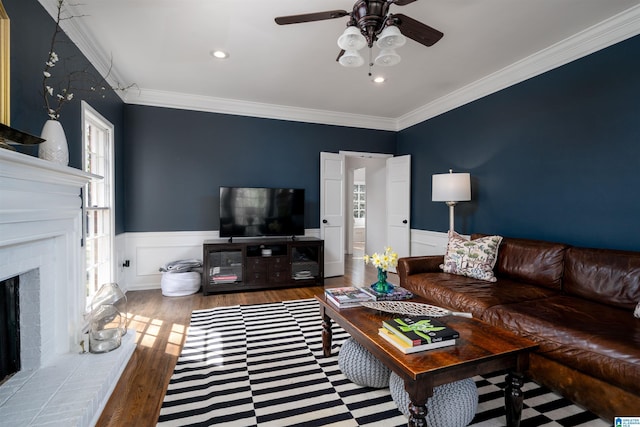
{"points": [[40, 243]]}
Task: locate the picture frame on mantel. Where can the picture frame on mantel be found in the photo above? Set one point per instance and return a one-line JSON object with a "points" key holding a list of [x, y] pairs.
{"points": [[5, 66]]}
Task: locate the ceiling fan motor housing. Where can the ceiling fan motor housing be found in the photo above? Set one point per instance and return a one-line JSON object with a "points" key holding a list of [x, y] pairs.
{"points": [[370, 16]]}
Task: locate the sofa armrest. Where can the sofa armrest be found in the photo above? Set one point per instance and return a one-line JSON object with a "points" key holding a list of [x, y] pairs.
{"points": [[418, 264]]}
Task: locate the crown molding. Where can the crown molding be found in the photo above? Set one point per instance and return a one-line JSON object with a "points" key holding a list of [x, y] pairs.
{"points": [[158, 98], [604, 34]]}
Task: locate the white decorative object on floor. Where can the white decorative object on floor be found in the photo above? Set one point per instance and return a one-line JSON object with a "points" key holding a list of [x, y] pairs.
{"points": [[180, 284], [452, 405], [54, 148]]}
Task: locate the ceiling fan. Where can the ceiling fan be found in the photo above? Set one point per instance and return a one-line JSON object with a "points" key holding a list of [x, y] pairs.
{"points": [[370, 22]]}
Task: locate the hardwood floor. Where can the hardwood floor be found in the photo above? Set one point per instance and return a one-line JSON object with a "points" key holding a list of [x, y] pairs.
{"points": [[161, 324]]}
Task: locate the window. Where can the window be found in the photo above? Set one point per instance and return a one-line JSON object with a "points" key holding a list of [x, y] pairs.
{"points": [[98, 199], [359, 201]]}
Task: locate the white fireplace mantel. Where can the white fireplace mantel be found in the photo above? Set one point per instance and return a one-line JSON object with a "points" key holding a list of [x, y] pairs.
{"points": [[41, 231]]}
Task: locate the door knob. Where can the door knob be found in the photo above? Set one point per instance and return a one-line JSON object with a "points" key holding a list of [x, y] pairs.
{"points": [[324, 221], [404, 221]]}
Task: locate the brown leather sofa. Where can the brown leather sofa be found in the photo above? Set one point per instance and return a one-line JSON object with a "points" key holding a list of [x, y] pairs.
{"points": [[576, 303]]}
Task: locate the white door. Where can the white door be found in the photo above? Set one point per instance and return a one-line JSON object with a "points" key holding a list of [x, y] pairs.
{"points": [[399, 205], [332, 201]]}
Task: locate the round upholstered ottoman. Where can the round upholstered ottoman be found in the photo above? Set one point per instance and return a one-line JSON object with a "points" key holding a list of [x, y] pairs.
{"points": [[361, 367], [452, 405], [180, 284]]}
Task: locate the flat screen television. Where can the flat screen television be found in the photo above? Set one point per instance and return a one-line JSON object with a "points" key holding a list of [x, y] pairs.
{"points": [[257, 212]]}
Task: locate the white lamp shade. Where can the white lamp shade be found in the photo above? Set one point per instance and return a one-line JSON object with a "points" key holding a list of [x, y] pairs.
{"points": [[391, 37], [351, 58], [351, 39], [387, 58], [451, 187]]}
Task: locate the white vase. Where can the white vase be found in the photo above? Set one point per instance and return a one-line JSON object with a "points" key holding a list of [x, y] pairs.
{"points": [[55, 147]]}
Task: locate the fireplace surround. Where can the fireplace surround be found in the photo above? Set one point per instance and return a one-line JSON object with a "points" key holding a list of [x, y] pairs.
{"points": [[40, 242]]}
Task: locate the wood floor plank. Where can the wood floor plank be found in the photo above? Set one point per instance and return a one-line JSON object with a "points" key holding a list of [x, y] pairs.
{"points": [[161, 324]]}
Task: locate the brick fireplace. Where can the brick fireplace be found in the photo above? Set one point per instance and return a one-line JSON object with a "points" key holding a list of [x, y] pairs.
{"points": [[40, 242]]}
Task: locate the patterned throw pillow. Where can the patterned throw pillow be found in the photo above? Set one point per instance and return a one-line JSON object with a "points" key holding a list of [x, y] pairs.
{"points": [[471, 258], [637, 311]]}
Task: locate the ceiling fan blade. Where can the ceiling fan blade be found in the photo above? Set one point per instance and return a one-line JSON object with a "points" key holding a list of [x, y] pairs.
{"points": [[403, 2], [310, 17], [416, 30]]}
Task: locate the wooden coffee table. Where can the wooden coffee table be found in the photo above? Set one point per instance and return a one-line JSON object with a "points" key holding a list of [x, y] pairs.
{"points": [[481, 349]]}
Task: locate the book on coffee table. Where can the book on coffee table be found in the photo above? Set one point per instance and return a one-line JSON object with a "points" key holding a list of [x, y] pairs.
{"points": [[397, 294], [408, 349], [420, 330], [346, 297]]}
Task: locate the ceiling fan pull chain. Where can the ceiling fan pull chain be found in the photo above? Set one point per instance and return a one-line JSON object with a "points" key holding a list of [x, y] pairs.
{"points": [[370, 61]]}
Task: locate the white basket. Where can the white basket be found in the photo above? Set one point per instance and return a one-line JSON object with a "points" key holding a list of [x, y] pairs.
{"points": [[180, 284]]}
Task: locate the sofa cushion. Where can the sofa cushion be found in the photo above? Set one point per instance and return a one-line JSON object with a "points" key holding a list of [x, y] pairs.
{"points": [[603, 275], [597, 339], [532, 261], [471, 258], [469, 294]]}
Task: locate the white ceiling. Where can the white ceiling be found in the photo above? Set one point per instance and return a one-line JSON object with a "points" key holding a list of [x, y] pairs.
{"points": [[290, 72]]}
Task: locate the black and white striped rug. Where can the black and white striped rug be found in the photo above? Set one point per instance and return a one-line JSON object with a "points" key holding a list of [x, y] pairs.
{"points": [[262, 365]]}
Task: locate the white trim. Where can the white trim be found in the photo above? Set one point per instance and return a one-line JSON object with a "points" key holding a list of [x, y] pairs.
{"points": [[89, 113], [148, 251], [181, 101], [365, 155], [604, 34], [425, 242]]}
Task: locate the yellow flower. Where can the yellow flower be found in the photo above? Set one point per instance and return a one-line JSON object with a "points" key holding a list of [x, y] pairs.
{"points": [[383, 261]]}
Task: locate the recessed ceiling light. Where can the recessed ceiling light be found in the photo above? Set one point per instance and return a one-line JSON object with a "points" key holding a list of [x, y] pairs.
{"points": [[378, 79], [220, 54]]}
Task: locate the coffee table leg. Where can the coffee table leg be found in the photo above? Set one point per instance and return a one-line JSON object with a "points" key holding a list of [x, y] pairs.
{"points": [[419, 393], [327, 333], [513, 398]]}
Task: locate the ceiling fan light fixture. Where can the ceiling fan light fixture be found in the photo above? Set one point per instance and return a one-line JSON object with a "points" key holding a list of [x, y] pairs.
{"points": [[351, 39], [391, 38], [387, 58], [351, 59]]}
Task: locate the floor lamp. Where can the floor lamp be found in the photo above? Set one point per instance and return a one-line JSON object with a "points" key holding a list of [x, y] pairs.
{"points": [[451, 188]]}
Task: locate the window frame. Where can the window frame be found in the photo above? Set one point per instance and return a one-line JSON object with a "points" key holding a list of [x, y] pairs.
{"points": [[89, 114]]}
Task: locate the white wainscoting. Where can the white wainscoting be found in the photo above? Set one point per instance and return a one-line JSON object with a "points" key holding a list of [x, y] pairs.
{"points": [[424, 242], [147, 252]]}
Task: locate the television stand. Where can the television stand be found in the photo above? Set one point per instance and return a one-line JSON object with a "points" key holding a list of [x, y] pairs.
{"points": [[254, 264]]}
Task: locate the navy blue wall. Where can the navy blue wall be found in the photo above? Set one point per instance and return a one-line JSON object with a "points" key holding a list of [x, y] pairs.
{"points": [[31, 31], [176, 160], [556, 157]]}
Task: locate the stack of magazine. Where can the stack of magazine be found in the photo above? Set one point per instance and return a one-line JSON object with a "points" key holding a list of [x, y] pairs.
{"points": [[397, 294], [346, 297], [417, 333], [352, 296]]}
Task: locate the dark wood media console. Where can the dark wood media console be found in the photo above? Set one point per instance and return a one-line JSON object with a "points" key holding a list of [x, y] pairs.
{"points": [[261, 264]]}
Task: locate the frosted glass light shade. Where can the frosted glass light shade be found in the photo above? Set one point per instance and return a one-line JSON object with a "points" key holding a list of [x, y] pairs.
{"points": [[451, 187], [351, 59], [387, 58], [351, 39], [391, 37]]}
